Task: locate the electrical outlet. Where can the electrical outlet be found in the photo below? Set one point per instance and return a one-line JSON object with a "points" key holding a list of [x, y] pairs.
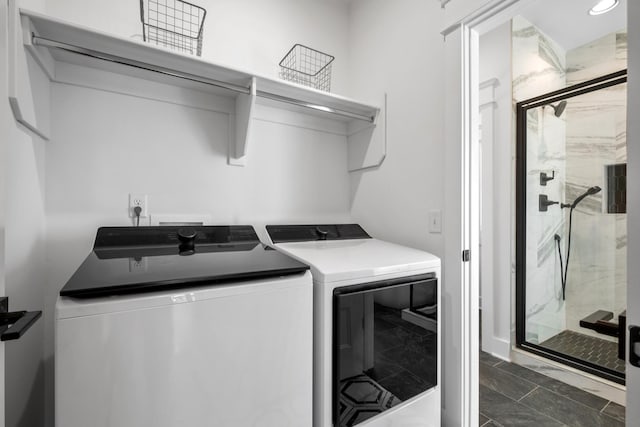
{"points": [[138, 200]]}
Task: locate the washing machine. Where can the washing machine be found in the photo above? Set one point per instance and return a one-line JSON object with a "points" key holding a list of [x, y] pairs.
{"points": [[376, 326], [173, 326]]}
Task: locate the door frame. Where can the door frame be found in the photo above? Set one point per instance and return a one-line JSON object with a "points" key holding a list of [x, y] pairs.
{"points": [[461, 61], [462, 135], [5, 115], [633, 198]]}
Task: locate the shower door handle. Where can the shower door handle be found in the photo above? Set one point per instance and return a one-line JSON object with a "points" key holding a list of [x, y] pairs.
{"points": [[634, 341]]}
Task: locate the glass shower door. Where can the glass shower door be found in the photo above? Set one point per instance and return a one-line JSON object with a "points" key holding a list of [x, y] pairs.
{"points": [[571, 225]]}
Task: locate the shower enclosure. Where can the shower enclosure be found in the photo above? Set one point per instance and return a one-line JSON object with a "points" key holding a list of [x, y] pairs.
{"points": [[571, 225]]}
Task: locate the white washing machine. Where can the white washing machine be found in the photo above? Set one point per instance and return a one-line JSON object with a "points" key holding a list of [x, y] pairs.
{"points": [[376, 326], [199, 327]]}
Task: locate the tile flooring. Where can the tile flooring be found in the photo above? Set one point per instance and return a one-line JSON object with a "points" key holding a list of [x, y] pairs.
{"points": [[511, 395], [585, 347]]}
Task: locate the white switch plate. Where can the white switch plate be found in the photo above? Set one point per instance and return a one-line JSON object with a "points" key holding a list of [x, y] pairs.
{"points": [[435, 221]]}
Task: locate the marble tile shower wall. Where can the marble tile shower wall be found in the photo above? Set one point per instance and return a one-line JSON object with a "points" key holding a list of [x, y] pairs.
{"points": [[539, 67], [577, 146], [596, 137]]}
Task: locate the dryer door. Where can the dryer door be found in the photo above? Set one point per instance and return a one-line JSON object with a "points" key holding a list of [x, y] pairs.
{"points": [[385, 345]]}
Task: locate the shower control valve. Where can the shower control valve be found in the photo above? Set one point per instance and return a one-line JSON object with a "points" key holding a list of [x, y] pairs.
{"points": [[544, 177], [544, 202]]}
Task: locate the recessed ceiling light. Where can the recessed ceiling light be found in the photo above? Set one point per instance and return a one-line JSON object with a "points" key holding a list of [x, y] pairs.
{"points": [[603, 6]]}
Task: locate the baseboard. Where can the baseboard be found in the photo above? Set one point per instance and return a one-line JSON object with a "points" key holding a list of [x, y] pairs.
{"points": [[497, 347]]}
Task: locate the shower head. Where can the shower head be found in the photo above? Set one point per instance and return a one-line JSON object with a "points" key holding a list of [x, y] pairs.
{"points": [[559, 108], [590, 192]]}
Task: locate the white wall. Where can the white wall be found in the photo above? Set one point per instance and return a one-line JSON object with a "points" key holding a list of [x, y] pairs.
{"points": [[498, 212], [245, 34], [392, 52], [25, 275], [23, 166]]}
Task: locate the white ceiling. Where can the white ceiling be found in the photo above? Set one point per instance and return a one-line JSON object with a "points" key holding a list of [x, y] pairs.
{"points": [[569, 23]]}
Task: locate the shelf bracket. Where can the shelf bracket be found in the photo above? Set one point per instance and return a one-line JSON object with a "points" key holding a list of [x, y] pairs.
{"points": [[29, 112], [241, 124], [367, 145]]}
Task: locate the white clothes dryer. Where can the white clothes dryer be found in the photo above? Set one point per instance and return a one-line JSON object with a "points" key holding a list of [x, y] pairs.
{"points": [[376, 326]]}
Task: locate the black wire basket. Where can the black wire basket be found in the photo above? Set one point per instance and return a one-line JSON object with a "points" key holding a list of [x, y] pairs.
{"points": [[308, 67], [174, 24]]}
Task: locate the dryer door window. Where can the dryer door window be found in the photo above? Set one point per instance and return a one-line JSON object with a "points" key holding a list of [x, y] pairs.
{"points": [[384, 345]]}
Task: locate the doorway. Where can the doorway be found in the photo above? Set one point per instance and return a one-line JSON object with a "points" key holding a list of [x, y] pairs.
{"points": [[462, 33]]}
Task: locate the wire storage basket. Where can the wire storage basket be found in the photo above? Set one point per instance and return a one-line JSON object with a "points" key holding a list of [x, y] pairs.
{"points": [[308, 67], [174, 24]]}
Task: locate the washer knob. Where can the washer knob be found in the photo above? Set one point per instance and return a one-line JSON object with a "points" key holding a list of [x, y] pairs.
{"points": [[187, 237]]}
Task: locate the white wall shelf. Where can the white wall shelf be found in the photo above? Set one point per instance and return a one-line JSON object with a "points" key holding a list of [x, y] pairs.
{"points": [[49, 40]]}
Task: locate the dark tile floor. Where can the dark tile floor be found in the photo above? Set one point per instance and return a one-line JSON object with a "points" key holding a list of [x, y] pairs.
{"points": [[585, 347], [511, 395]]}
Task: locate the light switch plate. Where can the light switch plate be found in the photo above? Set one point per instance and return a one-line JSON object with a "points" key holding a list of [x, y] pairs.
{"points": [[435, 221]]}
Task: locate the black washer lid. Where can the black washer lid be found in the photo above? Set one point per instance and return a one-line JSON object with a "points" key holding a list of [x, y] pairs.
{"points": [[307, 233], [145, 259]]}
